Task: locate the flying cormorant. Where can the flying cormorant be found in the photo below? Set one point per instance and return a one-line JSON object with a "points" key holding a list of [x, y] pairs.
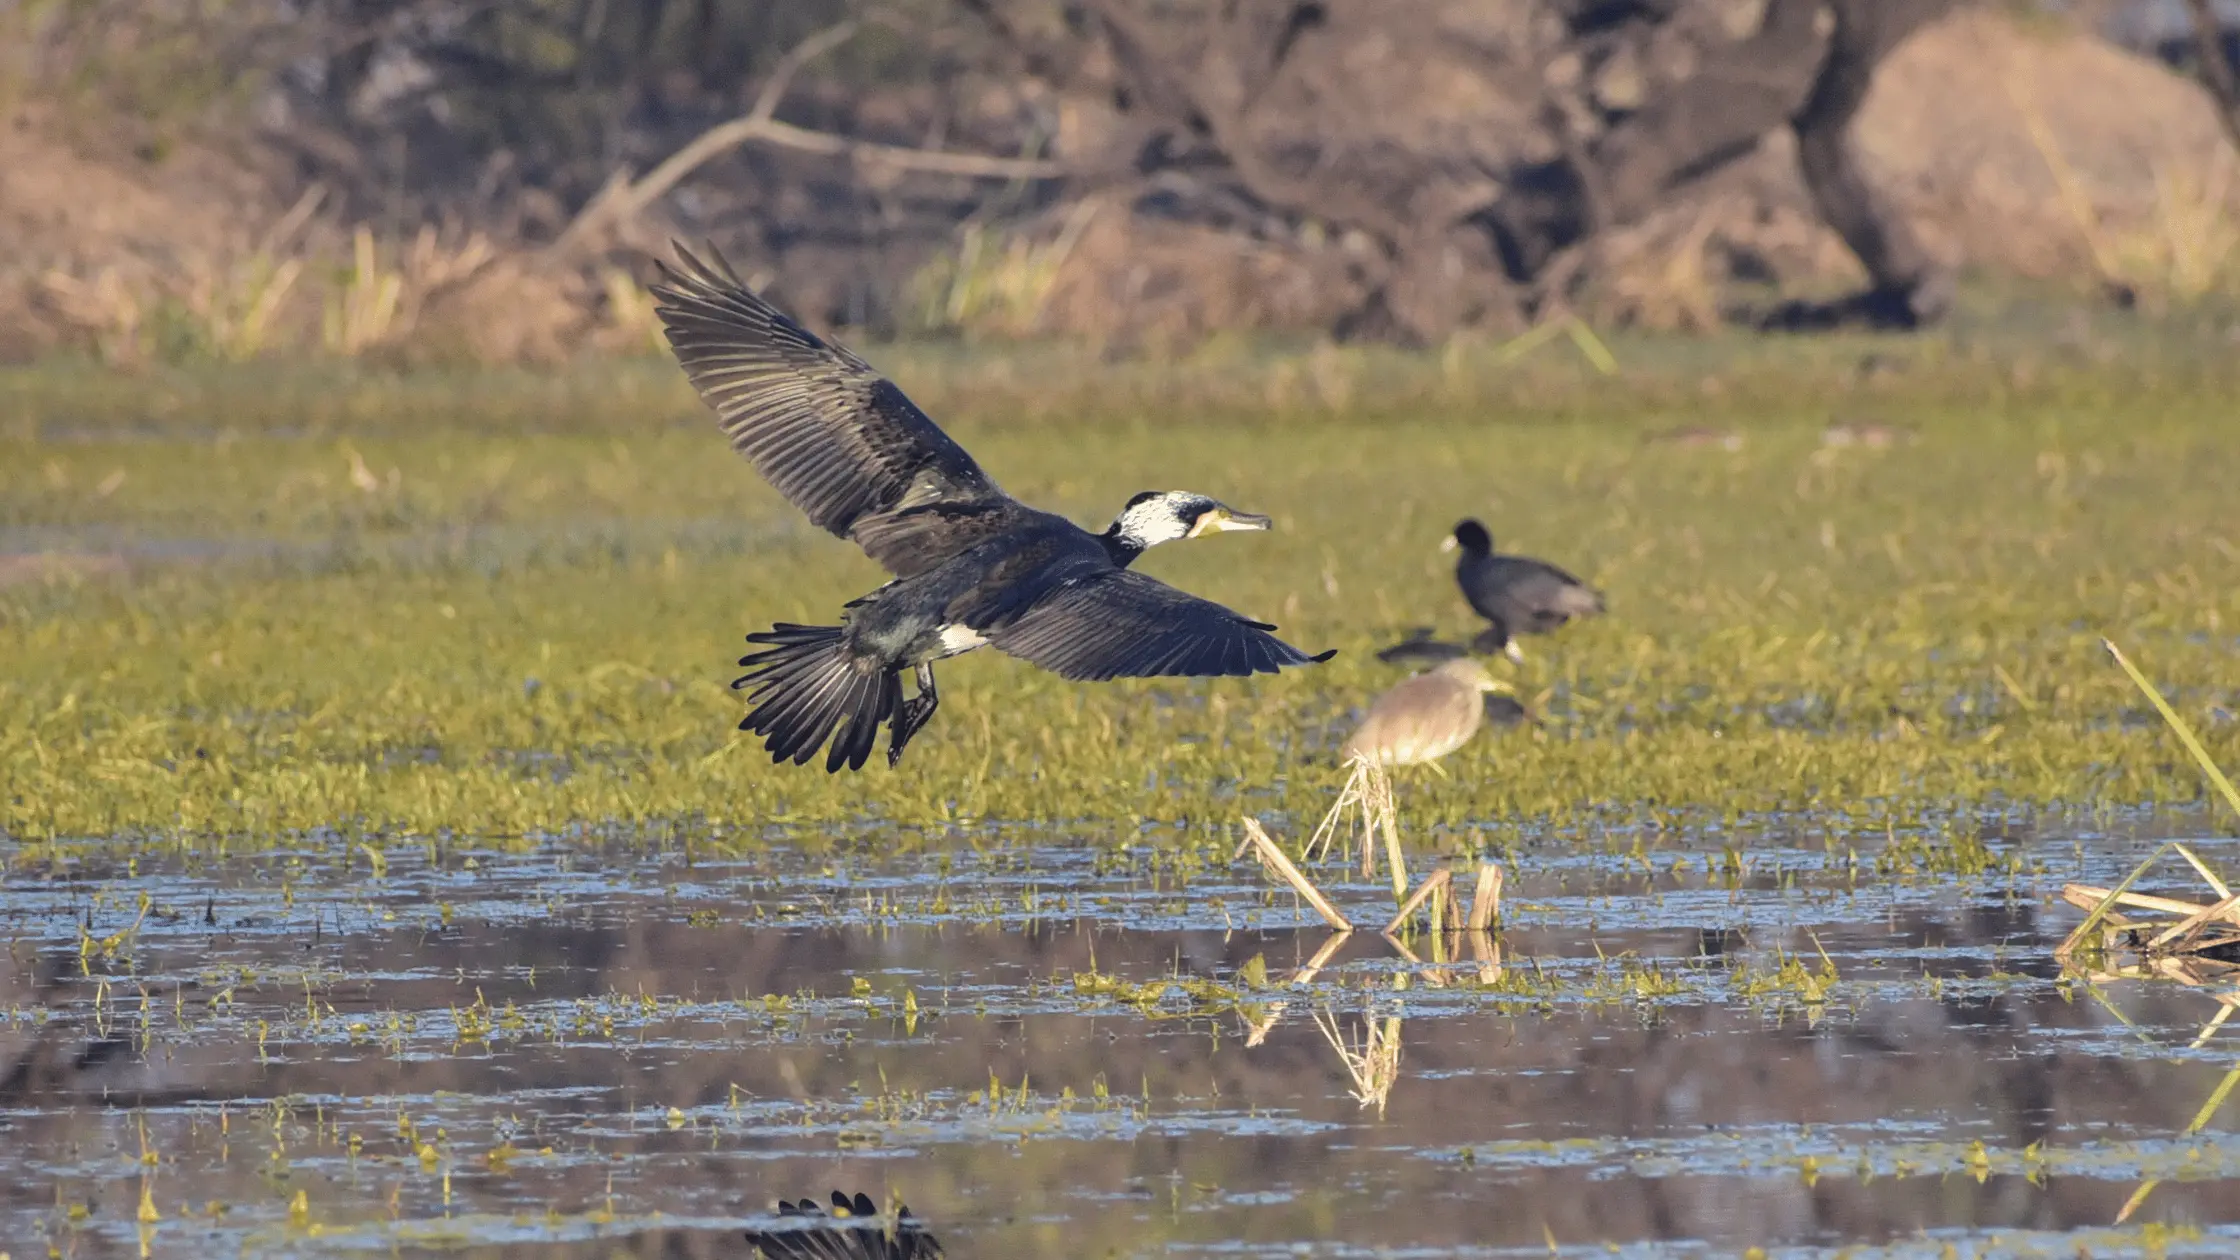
{"points": [[972, 566], [1519, 595]]}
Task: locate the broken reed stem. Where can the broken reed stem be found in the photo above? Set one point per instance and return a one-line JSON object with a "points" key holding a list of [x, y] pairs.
{"points": [[2192, 915], [1485, 903], [1431, 975], [2208, 1030], [2201, 1120], [2193, 922], [2108, 900], [1321, 957], [1273, 858], [1487, 952], [2086, 897], [1423, 893], [2201, 868], [1447, 914]]}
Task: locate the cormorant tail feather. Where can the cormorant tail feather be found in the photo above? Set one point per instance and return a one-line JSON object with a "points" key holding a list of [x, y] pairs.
{"points": [[805, 685]]}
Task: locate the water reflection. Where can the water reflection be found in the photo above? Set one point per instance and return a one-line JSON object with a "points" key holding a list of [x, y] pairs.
{"points": [[520, 1058]]}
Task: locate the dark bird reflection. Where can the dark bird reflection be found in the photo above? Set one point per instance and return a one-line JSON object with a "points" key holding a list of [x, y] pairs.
{"points": [[1420, 650], [853, 1230]]}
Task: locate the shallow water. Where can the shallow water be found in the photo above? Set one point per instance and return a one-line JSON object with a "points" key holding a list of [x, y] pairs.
{"points": [[592, 1053]]}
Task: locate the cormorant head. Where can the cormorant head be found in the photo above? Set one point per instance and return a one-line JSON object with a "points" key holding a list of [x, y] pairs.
{"points": [[1158, 516], [1471, 536]]}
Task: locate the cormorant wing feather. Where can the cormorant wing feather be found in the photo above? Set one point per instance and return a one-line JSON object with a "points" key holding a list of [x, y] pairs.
{"points": [[835, 437], [1118, 623]]}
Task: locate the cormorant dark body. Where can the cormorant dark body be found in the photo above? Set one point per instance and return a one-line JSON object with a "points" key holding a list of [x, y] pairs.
{"points": [[972, 566], [1517, 594]]}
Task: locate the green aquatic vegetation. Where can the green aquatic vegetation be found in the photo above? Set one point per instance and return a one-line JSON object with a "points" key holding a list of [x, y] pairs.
{"points": [[463, 606], [1785, 984], [1175, 996]]}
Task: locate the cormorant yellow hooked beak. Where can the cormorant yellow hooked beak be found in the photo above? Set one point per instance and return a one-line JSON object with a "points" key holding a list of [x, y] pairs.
{"points": [[1220, 520]]}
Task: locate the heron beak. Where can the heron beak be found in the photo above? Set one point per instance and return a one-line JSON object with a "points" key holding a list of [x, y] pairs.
{"points": [[1221, 520], [1447, 544]]}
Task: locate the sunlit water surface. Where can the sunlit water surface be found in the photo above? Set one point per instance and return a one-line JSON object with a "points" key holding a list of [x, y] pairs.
{"points": [[587, 1052]]}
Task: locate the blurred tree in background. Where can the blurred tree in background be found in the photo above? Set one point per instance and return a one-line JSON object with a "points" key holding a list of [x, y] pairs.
{"points": [[1376, 170]]}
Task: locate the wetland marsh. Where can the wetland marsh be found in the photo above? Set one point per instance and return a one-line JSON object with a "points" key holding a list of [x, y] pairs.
{"points": [[384, 874]]}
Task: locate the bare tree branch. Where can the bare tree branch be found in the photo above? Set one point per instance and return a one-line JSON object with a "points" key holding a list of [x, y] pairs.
{"points": [[620, 199], [1251, 51], [2217, 71], [1036, 56]]}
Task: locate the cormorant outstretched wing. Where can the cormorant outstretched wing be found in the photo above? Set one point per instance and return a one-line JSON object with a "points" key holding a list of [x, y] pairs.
{"points": [[835, 437], [1118, 623]]}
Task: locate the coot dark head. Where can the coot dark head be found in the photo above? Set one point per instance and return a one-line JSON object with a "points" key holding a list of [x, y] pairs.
{"points": [[1516, 594], [1472, 536]]}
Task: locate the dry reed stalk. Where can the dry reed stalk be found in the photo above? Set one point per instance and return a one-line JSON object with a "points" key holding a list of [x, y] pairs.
{"points": [[2201, 1120], [2225, 1007], [2088, 896], [1425, 891], [1373, 1062], [1590, 347], [1485, 903], [1367, 796], [1321, 958], [1272, 857], [2193, 923], [1486, 951], [2202, 868], [2184, 733], [1256, 1030], [2190, 932], [1431, 975]]}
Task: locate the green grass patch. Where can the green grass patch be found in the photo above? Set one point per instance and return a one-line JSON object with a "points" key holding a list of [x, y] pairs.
{"points": [[502, 605]]}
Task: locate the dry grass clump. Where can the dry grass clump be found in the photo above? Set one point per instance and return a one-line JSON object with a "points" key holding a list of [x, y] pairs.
{"points": [[443, 294], [2003, 139], [1099, 272], [1680, 269], [2179, 248]]}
